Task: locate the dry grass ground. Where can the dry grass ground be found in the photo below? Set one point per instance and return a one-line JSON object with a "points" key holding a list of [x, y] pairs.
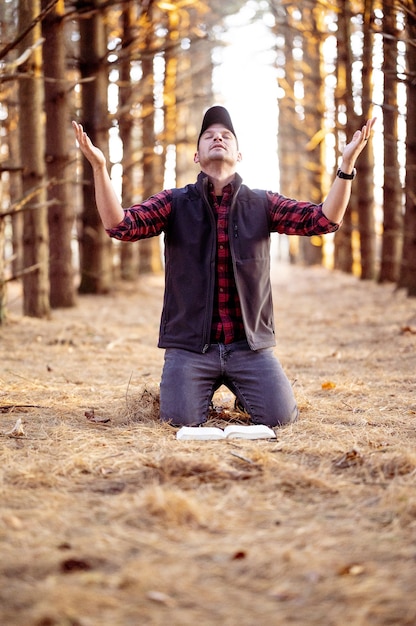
{"points": [[114, 523]]}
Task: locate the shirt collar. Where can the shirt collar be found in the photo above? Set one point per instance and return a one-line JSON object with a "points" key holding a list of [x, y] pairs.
{"points": [[230, 188]]}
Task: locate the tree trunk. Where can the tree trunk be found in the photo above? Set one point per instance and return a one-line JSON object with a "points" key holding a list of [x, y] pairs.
{"points": [[2, 274], [312, 247], [366, 218], [392, 242], [408, 267], [195, 85], [149, 249], [61, 212], [343, 252], [129, 252], [32, 148], [289, 141], [15, 181], [95, 246]]}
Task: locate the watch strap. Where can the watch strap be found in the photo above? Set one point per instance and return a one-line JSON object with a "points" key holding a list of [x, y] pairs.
{"points": [[342, 174]]}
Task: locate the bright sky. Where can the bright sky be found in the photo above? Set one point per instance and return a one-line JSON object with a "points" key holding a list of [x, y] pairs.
{"points": [[245, 81]]}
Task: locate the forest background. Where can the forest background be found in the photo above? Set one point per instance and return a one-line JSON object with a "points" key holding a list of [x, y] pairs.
{"points": [[139, 75], [105, 518]]}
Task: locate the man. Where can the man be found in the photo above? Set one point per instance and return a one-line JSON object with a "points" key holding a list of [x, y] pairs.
{"points": [[217, 319]]}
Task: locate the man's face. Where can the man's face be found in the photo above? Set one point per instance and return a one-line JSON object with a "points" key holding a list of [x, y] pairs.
{"points": [[217, 143]]}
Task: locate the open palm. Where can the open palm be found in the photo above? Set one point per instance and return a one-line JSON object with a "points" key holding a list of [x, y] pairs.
{"points": [[358, 141], [94, 155]]}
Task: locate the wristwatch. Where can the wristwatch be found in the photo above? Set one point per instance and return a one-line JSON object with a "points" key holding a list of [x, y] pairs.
{"points": [[342, 174]]}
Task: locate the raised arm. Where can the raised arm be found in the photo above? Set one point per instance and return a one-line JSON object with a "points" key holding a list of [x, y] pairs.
{"points": [[338, 197], [109, 208]]}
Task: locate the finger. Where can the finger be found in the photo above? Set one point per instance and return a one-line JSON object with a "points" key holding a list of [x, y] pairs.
{"points": [[367, 128], [365, 133], [78, 130], [370, 123]]}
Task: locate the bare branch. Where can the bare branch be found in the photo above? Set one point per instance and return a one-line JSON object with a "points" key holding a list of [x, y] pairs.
{"points": [[11, 168], [22, 35], [21, 205], [32, 207], [12, 65], [23, 272]]}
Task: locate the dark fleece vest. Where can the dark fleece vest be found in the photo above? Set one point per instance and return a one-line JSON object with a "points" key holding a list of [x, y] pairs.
{"points": [[190, 257]]}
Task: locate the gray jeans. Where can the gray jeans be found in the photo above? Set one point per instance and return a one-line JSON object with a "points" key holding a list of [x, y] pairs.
{"points": [[257, 379]]}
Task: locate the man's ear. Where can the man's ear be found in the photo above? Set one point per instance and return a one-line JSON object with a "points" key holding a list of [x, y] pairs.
{"points": [[239, 156], [196, 157]]}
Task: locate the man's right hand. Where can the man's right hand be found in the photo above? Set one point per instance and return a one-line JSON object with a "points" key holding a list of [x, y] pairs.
{"points": [[107, 201]]}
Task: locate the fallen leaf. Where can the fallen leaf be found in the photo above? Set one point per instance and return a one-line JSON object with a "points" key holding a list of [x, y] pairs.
{"points": [[352, 569], [240, 554], [91, 417], [162, 598], [75, 565], [105, 471], [17, 430], [13, 521], [408, 329], [350, 458], [328, 385]]}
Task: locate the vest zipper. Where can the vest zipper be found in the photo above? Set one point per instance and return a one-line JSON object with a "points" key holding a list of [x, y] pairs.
{"points": [[233, 234]]}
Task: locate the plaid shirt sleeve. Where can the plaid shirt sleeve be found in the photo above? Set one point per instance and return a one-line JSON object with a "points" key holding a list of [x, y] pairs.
{"points": [[147, 219], [293, 217]]}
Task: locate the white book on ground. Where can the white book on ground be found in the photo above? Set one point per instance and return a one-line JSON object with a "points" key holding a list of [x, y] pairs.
{"points": [[234, 431]]}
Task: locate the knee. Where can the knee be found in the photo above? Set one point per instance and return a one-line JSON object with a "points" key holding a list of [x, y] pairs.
{"points": [[279, 418], [289, 418]]}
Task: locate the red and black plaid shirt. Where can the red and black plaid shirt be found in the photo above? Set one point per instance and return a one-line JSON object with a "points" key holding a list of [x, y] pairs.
{"points": [[227, 322], [287, 216]]}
